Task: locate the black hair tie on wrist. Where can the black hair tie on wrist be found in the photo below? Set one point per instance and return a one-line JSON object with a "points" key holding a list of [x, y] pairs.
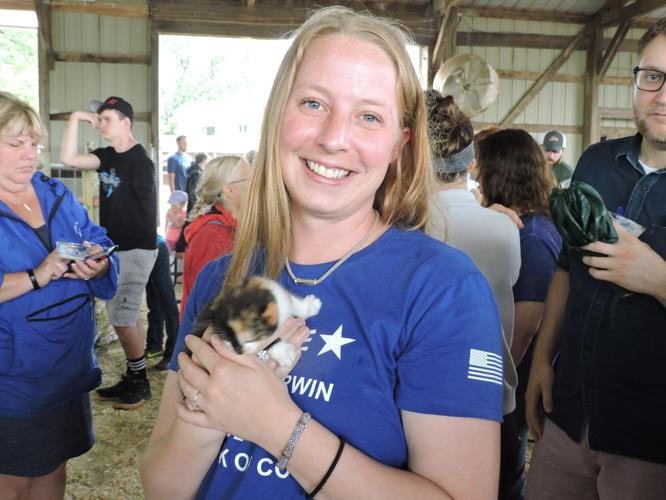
{"points": [[330, 469], [33, 279]]}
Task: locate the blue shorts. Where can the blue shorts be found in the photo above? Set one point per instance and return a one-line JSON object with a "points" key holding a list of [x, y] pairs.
{"points": [[35, 446]]}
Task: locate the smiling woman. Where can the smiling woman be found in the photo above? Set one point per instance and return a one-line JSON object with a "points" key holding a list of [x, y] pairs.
{"points": [[389, 367]]}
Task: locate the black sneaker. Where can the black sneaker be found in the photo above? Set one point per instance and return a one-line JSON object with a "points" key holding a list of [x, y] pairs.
{"points": [[115, 391], [137, 392]]}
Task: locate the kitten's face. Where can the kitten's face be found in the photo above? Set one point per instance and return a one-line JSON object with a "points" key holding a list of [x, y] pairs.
{"points": [[253, 312]]}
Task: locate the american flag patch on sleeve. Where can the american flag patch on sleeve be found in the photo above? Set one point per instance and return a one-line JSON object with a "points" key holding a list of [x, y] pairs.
{"points": [[485, 366]]}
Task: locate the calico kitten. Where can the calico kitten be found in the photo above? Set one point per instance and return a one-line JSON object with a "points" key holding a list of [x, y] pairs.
{"points": [[247, 315]]}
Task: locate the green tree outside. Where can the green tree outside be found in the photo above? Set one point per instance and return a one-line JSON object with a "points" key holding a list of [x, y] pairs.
{"points": [[19, 69]]}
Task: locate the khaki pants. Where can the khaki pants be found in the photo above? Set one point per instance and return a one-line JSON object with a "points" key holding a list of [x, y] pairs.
{"points": [[563, 469]]}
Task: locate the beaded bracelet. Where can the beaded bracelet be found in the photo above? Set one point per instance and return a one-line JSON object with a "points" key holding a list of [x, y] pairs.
{"points": [[293, 439], [321, 484]]}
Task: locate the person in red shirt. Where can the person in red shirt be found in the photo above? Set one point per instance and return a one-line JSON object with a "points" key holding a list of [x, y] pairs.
{"points": [[212, 230]]}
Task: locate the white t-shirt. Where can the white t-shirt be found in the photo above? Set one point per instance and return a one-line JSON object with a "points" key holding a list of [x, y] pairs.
{"points": [[647, 169]]}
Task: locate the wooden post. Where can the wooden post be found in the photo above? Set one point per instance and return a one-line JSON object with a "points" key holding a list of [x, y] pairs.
{"points": [[591, 116], [45, 64], [445, 46], [613, 47], [431, 69], [155, 101]]}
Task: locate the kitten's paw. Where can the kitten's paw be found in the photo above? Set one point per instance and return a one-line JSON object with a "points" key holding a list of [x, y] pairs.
{"points": [[312, 305], [283, 353]]}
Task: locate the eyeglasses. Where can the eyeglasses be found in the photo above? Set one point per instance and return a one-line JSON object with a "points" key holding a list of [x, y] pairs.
{"points": [[649, 80], [239, 180]]}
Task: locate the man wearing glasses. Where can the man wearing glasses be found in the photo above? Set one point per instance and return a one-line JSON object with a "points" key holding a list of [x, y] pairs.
{"points": [[605, 318]]}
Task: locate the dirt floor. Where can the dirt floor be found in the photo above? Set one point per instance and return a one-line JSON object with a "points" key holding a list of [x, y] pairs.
{"points": [[110, 470]]}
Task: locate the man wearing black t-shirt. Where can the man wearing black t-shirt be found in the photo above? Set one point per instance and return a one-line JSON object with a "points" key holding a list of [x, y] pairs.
{"points": [[128, 211]]}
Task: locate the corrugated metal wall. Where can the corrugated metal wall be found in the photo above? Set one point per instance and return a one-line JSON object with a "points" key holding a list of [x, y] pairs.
{"points": [[74, 84], [558, 103]]}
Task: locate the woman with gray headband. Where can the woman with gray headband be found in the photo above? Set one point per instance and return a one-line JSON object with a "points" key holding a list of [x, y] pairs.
{"points": [[489, 238]]}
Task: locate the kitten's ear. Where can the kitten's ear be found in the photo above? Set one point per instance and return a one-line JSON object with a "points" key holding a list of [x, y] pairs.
{"points": [[270, 314]]}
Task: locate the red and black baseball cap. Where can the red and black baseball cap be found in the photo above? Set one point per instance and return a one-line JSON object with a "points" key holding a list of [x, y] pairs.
{"points": [[113, 102]]}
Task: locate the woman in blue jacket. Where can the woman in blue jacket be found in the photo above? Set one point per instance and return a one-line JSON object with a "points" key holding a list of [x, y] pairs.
{"points": [[47, 315]]}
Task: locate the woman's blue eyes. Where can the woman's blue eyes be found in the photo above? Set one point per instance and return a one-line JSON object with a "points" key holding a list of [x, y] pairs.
{"points": [[316, 105], [312, 104]]}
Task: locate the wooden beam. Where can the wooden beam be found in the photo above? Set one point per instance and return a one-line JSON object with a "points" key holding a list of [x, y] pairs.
{"points": [[43, 12], [616, 13], [618, 80], [272, 19], [44, 66], [615, 132], [536, 87], [642, 22], [101, 58], [552, 16], [529, 41], [17, 4], [591, 117], [138, 117], [542, 128], [616, 113], [101, 8], [431, 71], [535, 128], [535, 75], [424, 32], [445, 46], [154, 99], [613, 46]]}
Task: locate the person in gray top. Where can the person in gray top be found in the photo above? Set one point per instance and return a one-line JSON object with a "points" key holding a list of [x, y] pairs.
{"points": [[489, 238]]}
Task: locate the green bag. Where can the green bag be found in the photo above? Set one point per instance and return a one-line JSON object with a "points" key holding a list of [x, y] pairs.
{"points": [[581, 217]]}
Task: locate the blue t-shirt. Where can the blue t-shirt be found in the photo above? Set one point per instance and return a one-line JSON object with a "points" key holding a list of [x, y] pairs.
{"points": [[540, 244], [407, 323], [177, 164]]}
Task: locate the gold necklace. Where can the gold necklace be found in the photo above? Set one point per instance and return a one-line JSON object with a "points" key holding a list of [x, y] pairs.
{"points": [[23, 203], [359, 245]]}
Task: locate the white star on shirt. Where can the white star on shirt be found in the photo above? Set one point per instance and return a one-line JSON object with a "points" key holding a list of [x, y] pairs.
{"points": [[334, 343]]}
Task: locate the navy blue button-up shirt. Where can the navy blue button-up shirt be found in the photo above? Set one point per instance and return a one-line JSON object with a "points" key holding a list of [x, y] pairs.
{"points": [[611, 369]]}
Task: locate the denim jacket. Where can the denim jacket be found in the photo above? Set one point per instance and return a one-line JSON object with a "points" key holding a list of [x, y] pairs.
{"points": [[610, 371]]}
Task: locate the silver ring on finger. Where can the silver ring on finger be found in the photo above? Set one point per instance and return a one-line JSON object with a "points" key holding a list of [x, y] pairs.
{"points": [[192, 403], [263, 355]]}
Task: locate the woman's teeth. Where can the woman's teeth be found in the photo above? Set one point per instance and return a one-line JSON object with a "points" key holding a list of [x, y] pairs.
{"points": [[329, 173]]}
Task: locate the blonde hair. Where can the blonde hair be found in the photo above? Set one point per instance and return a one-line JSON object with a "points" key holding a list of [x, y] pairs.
{"points": [[402, 198], [216, 175], [17, 117]]}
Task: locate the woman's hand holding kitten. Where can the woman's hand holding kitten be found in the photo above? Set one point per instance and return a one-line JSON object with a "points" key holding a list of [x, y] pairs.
{"points": [[226, 379]]}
